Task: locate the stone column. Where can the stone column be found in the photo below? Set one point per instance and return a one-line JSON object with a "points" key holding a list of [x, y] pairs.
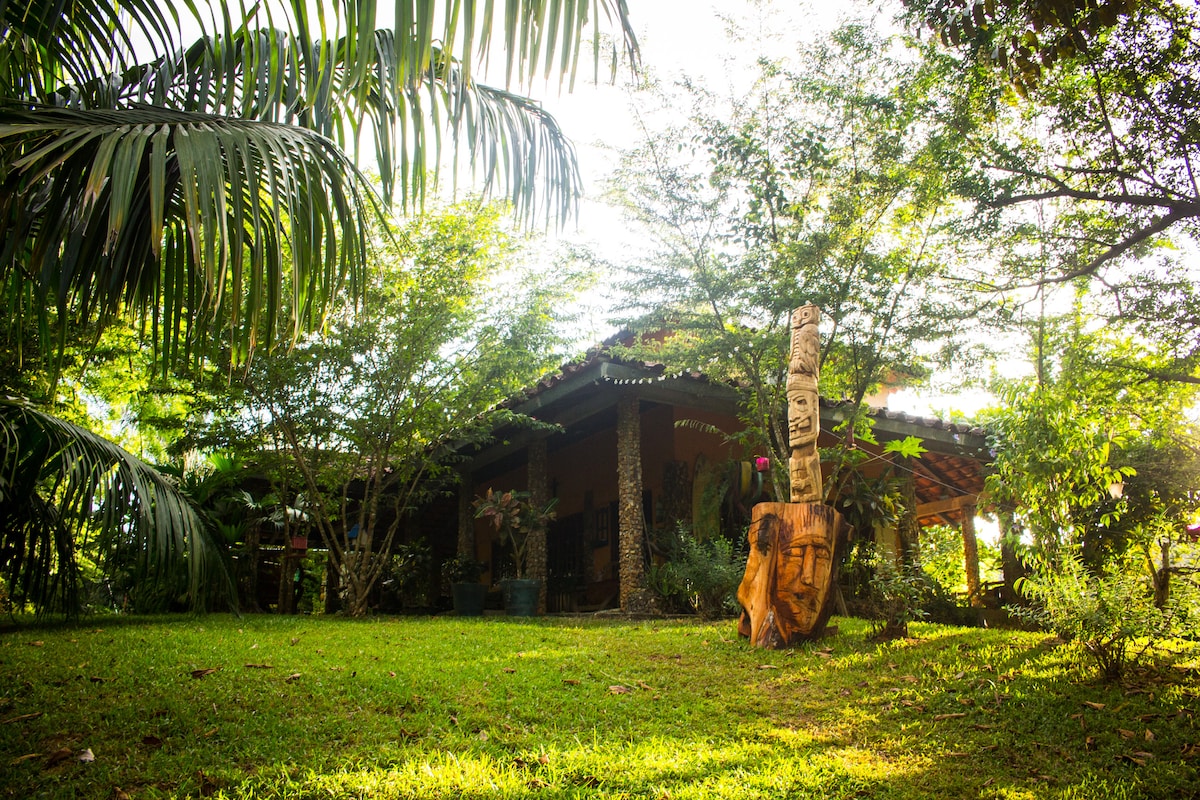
{"points": [[466, 516], [971, 556], [539, 496], [632, 535]]}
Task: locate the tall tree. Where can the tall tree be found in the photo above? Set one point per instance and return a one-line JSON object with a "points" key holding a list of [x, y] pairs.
{"points": [[826, 183], [362, 415], [1098, 141]]}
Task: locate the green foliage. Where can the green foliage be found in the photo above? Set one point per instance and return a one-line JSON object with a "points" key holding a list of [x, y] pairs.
{"points": [[361, 419], [167, 187], [908, 447], [1086, 171], [1070, 447], [1110, 613], [700, 574], [896, 593], [823, 183], [462, 569], [407, 580], [67, 494], [516, 519]]}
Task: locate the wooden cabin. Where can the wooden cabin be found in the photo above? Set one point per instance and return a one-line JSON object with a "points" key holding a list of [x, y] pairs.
{"points": [[635, 449]]}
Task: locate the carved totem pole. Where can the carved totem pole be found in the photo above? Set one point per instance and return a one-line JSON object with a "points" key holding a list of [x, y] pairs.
{"points": [[786, 593]]}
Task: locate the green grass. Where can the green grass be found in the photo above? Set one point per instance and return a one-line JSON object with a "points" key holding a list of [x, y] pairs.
{"points": [[577, 708]]}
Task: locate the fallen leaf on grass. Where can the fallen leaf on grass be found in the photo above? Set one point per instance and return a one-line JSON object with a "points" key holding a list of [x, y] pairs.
{"points": [[1131, 759], [1126, 733], [37, 644], [571, 681], [200, 673], [1149, 735], [118, 794], [543, 759], [1190, 751], [21, 718], [259, 666], [509, 670], [618, 689], [97, 679], [152, 741], [86, 757], [1094, 706], [979, 727], [483, 736], [590, 781], [1089, 743], [767, 666], [940, 717], [26, 757], [295, 676]]}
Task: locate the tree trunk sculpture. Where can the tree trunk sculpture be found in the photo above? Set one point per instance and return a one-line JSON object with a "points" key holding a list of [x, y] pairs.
{"points": [[787, 591]]}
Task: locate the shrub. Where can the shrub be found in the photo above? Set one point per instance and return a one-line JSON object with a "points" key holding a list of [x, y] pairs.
{"points": [[407, 577], [461, 569], [704, 574], [1109, 613], [896, 595]]}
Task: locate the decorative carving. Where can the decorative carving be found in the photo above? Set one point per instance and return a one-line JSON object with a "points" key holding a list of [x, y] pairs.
{"points": [[804, 412], [794, 547], [786, 592]]}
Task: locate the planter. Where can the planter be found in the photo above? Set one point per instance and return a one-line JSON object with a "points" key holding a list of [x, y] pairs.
{"points": [[468, 598], [521, 596]]}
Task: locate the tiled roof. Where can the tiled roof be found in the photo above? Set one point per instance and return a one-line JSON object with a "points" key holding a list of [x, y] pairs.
{"points": [[657, 373]]}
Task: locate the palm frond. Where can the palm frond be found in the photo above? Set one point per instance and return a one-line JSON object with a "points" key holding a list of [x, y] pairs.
{"points": [[62, 485], [158, 209]]}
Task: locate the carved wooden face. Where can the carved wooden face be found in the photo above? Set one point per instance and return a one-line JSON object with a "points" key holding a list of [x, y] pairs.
{"points": [[789, 575], [803, 424], [803, 572]]}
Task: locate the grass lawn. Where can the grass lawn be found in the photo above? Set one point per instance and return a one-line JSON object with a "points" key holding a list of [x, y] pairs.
{"points": [[267, 706]]}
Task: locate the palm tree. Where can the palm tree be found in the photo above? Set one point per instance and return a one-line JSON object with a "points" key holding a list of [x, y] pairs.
{"points": [[190, 186]]}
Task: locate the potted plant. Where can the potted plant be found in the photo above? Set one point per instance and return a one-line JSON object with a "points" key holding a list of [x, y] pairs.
{"points": [[515, 518], [462, 573]]}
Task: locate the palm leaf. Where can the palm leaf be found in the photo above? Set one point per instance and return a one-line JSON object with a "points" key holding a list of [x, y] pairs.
{"points": [[88, 194], [60, 484]]}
